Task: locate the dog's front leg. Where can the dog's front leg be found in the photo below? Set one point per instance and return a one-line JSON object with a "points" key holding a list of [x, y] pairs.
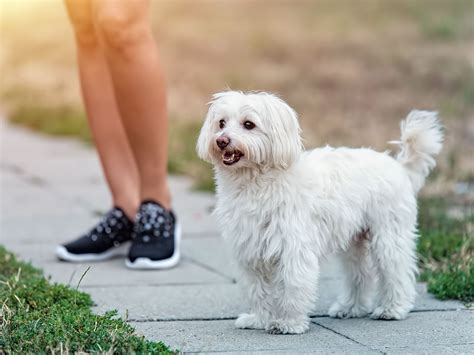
{"points": [[295, 292], [255, 283]]}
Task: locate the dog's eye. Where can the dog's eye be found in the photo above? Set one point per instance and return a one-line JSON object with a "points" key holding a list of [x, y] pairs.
{"points": [[249, 125], [221, 124]]}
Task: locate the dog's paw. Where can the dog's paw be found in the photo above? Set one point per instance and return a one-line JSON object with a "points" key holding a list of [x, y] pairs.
{"points": [[383, 313], [347, 311], [287, 327], [249, 321]]}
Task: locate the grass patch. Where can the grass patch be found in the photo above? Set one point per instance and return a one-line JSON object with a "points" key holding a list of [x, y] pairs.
{"points": [[446, 249], [54, 120], [39, 317], [446, 21], [69, 121]]}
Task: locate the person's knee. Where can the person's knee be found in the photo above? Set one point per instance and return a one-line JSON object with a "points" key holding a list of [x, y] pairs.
{"points": [[120, 30], [85, 34], [81, 18]]}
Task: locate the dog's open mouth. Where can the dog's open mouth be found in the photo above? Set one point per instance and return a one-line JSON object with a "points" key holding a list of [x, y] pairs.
{"points": [[230, 157]]}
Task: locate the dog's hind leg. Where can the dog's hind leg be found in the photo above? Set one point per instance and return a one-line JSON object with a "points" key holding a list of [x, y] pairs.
{"points": [[394, 251], [355, 299]]}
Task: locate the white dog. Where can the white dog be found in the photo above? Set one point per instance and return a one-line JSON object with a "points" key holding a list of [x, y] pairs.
{"points": [[284, 209]]}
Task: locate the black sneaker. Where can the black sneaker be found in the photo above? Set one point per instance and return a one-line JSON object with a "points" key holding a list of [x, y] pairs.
{"points": [[156, 239], [110, 237]]}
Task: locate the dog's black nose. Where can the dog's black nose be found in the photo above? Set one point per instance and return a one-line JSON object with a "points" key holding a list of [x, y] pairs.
{"points": [[222, 142]]}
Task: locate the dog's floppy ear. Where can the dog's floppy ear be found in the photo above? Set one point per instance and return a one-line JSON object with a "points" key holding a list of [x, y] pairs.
{"points": [[202, 145], [284, 131], [206, 133]]}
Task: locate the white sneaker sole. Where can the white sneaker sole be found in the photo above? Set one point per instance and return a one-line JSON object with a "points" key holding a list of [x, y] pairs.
{"points": [[122, 250], [148, 264]]}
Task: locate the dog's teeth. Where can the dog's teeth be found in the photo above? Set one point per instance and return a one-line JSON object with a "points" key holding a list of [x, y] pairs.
{"points": [[228, 158]]}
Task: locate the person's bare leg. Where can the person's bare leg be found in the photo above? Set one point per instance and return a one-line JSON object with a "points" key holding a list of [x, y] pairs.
{"points": [[108, 133], [139, 86]]}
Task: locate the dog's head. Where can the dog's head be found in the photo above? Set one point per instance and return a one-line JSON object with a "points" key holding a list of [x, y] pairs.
{"points": [[249, 130]]}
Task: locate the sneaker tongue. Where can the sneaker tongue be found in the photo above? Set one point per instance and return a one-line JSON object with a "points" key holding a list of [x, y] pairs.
{"points": [[151, 201], [117, 212], [152, 208]]}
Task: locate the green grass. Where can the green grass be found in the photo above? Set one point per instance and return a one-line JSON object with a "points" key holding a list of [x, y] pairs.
{"points": [[55, 120], [40, 317], [447, 20], [446, 249], [69, 121]]}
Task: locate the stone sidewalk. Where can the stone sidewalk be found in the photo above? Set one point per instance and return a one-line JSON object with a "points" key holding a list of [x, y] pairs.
{"points": [[52, 190]]}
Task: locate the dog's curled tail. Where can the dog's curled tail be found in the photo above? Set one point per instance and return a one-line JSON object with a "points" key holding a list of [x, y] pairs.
{"points": [[421, 140]]}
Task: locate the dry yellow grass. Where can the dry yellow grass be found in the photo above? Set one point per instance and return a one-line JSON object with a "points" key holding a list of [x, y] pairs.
{"points": [[352, 69]]}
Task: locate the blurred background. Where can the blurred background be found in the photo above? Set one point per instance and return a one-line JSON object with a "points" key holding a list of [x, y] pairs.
{"points": [[351, 69]]}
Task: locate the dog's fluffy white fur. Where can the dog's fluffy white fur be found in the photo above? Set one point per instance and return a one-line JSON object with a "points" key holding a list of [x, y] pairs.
{"points": [[284, 209]]}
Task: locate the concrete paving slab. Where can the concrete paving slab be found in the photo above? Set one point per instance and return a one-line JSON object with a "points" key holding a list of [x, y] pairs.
{"points": [[211, 301], [45, 229], [92, 197], [192, 208], [428, 330], [18, 202], [215, 253], [11, 179], [433, 349], [112, 272], [262, 352], [59, 165], [171, 302], [426, 301], [69, 170], [38, 155], [212, 252], [329, 290], [21, 185], [222, 336]]}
